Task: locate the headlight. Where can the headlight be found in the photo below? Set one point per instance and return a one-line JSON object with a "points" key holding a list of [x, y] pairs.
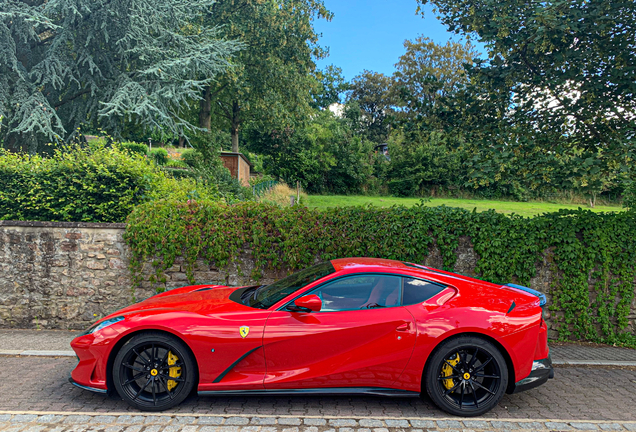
{"points": [[104, 324]]}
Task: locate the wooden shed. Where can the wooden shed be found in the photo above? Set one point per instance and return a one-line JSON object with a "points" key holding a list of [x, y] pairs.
{"points": [[238, 165]]}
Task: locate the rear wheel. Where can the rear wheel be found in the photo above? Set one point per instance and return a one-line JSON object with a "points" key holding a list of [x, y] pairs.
{"points": [[154, 371], [466, 376]]}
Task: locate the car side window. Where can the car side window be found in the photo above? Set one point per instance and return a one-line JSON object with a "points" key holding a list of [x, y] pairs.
{"points": [[418, 291], [360, 292]]}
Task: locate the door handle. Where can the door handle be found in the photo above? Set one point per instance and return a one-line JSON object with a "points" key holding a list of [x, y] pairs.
{"points": [[404, 327]]}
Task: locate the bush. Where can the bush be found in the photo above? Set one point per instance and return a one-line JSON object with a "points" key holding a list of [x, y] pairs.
{"points": [[590, 255], [191, 157], [159, 155], [86, 185], [134, 148], [176, 163], [629, 195], [229, 187], [184, 189], [180, 173], [325, 156], [404, 187], [209, 169], [421, 161]]}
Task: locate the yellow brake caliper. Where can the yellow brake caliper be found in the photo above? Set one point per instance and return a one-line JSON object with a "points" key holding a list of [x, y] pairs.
{"points": [[448, 371], [174, 372]]}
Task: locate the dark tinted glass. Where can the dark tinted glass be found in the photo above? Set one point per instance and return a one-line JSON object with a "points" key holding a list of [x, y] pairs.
{"points": [[267, 296], [366, 291], [418, 291]]}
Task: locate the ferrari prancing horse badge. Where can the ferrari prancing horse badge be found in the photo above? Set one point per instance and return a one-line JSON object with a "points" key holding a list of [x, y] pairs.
{"points": [[244, 330]]}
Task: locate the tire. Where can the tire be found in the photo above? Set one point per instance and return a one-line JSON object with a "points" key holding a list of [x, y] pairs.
{"points": [[154, 371], [466, 376]]}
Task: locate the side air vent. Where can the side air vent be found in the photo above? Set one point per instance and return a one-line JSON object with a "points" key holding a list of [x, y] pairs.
{"points": [[512, 306]]}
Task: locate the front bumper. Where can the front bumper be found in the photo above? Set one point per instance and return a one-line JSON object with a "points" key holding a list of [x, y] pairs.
{"points": [[92, 354], [83, 387], [541, 372]]}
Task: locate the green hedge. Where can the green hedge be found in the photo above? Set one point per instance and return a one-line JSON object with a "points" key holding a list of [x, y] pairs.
{"points": [[592, 255], [99, 184], [629, 196], [159, 155], [191, 157], [134, 148]]}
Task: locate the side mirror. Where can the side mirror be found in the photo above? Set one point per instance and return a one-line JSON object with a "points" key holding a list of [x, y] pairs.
{"points": [[308, 303]]}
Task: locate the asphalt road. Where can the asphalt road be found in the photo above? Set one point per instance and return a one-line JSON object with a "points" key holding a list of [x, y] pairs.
{"points": [[40, 384]]}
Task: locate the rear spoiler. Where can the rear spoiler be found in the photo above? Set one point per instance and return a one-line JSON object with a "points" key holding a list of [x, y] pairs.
{"points": [[542, 299]]}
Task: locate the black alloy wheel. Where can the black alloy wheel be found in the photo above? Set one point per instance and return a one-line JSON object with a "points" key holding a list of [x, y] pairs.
{"points": [[466, 376], [154, 372]]}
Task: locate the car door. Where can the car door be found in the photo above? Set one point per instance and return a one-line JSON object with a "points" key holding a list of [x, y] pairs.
{"points": [[361, 338]]}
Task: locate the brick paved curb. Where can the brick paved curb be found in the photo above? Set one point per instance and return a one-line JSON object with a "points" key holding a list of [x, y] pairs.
{"points": [[160, 422], [593, 363], [573, 352], [38, 353]]}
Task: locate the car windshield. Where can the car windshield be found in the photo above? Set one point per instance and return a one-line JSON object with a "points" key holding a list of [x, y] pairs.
{"points": [[266, 296]]}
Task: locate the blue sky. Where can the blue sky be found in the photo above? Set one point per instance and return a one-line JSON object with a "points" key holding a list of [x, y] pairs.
{"points": [[369, 34]]}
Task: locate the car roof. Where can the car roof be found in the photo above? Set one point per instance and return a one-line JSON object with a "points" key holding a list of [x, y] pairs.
{"points": [[362, 263]]}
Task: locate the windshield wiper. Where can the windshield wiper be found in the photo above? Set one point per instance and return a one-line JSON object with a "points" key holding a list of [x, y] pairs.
{"points": [[248, 293], [251, 292], [258, 290]]}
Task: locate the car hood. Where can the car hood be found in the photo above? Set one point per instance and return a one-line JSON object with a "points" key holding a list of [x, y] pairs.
{"points": [[202, 299]]}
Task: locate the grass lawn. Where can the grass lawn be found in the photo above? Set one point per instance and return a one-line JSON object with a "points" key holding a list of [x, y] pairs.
{"points": [[521, 208]]}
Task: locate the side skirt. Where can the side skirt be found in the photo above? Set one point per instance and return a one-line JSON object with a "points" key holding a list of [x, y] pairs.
{"points": [[375, 391]]}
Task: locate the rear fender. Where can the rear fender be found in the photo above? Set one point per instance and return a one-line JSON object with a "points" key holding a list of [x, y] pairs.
{"points": [[411, 378], [501, 346]]}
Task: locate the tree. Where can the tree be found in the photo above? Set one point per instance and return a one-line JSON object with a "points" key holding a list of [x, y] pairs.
{"points": [[330, 85], [270, 80], [428, 72], [564, 77], [70, 63], [324, 155], [569, 64], [421, 162], [372, 94]]}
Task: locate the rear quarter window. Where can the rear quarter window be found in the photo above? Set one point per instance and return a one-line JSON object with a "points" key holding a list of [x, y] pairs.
{"points": [[418, 291]]}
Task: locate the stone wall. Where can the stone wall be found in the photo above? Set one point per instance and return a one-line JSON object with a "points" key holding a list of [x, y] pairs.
{"points": [[65, 275], [61, 275]]}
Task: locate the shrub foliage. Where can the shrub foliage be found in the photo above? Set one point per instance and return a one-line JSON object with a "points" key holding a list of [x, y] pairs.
{"points": [[592, 256], [85, 185], [159, 155], [629, 197], [134, 148]]}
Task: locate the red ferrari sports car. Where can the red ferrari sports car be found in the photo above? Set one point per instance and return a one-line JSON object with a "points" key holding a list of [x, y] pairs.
{"points": [[348, 326]]}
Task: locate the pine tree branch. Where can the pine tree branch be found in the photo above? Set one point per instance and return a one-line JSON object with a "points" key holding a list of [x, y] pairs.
{"points": [[72, 98], [41, 42]]}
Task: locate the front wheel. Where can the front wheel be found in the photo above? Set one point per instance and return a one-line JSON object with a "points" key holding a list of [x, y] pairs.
{"points": [[154, 371], [466, 376]]}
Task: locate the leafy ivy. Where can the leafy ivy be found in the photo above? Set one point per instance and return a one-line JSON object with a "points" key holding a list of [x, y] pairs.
{"points": [[592, 256]]}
